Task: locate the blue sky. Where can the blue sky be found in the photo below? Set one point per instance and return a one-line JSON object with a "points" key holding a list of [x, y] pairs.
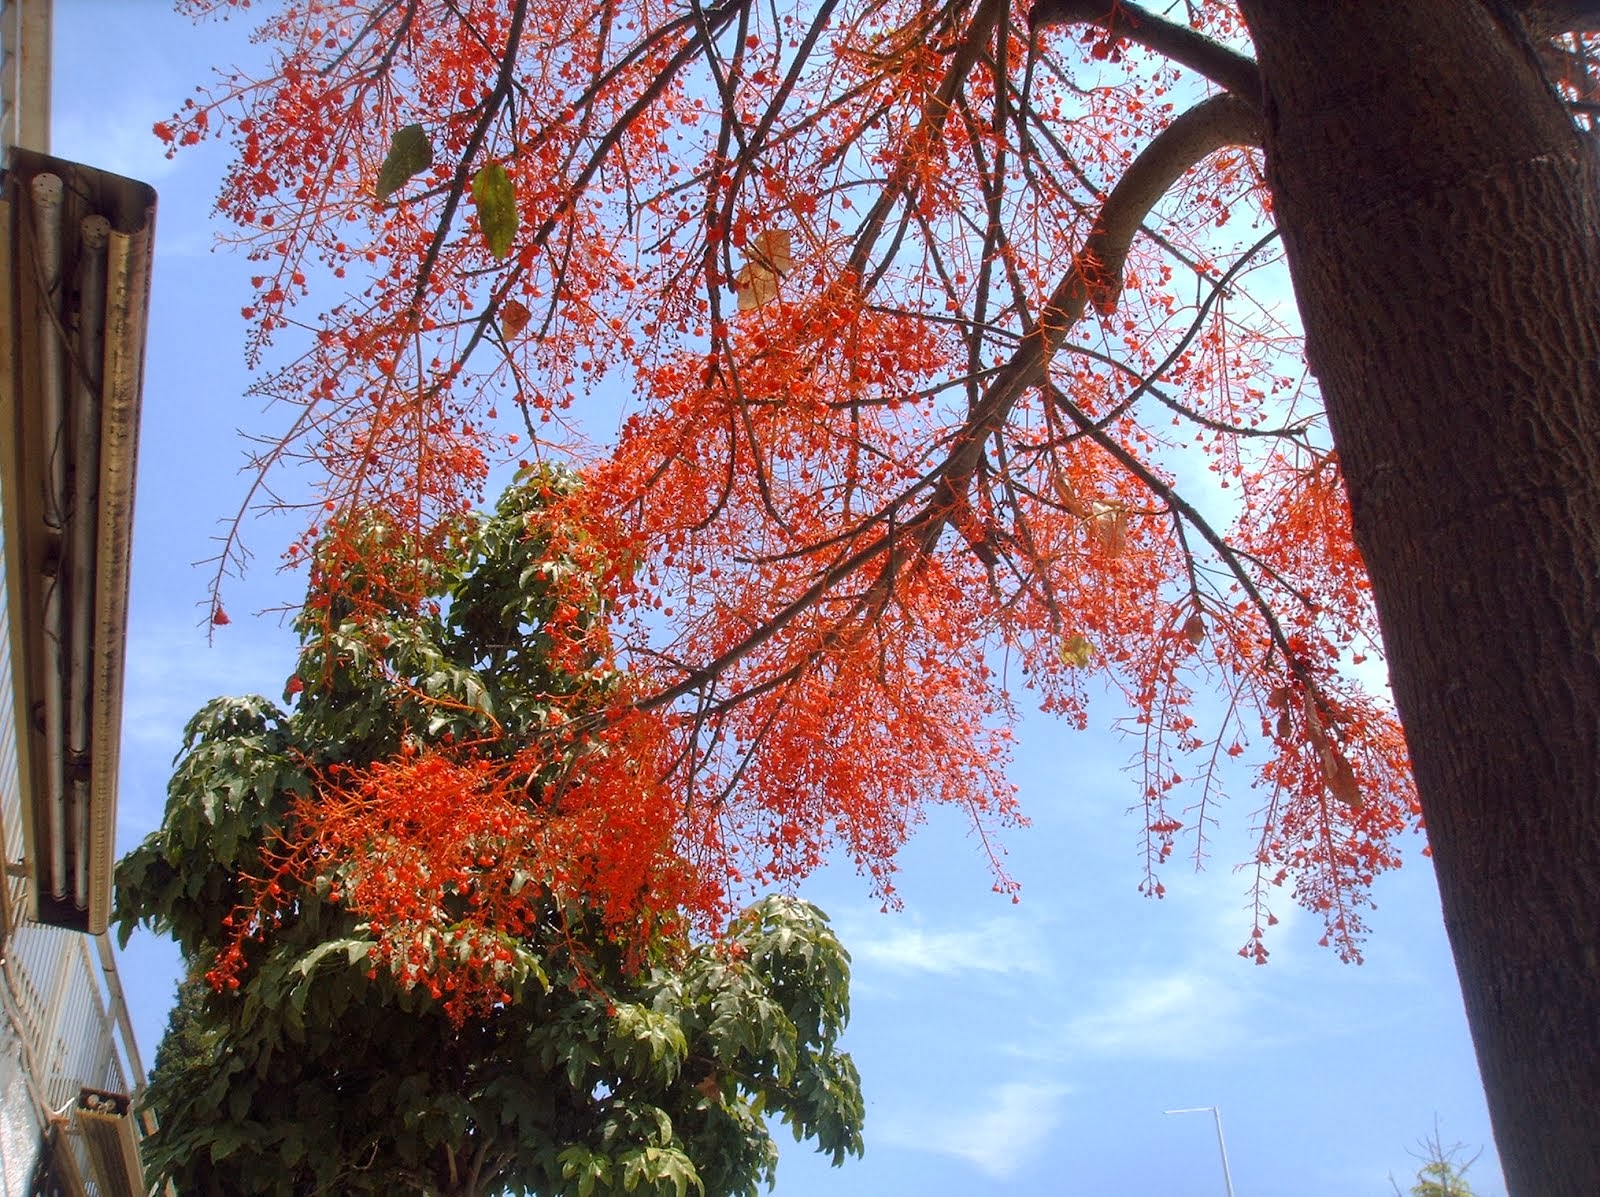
{"points": [[1026, 1048]]}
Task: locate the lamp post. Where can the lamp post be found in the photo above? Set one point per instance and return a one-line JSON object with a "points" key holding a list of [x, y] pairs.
{"points": [[1216, 1113]]}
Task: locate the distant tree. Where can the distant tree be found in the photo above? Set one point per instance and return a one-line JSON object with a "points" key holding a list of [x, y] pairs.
{"points": [[191, 1039], [410, 972], [1442, 1173]]}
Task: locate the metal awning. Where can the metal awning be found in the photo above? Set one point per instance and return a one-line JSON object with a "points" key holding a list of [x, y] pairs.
{"points": [[75, 256]]}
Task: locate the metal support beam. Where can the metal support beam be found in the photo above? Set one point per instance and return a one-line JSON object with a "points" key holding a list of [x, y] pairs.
{"points": [[25, 32]]}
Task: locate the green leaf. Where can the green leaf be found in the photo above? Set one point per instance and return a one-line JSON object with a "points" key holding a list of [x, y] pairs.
{"points": [[496, 197], [410, 153], [292, 1150]]}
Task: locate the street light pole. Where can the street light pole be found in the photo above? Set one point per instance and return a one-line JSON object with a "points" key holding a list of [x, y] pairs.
{"points": [[1216, 1113]]}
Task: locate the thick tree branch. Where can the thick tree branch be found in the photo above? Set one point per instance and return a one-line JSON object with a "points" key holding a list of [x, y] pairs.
{"points": [[1226, 68], [1551, 18], [1195, 135]]}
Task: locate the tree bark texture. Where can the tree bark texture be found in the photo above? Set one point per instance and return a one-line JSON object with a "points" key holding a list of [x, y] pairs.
{"points": [[1442, 221]]}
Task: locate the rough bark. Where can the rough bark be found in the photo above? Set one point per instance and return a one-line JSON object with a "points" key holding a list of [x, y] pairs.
{"points": [[1442, 220]]}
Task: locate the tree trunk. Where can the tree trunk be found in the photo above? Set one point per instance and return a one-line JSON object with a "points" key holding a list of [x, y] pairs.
{"points": [[1442, 220]]}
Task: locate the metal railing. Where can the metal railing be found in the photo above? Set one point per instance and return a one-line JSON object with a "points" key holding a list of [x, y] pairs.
{"points": [[63, 1013], [14, 882]]}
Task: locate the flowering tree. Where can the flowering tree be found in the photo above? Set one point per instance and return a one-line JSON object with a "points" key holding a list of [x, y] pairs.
{"points": [[424, 975], [931, 315]]}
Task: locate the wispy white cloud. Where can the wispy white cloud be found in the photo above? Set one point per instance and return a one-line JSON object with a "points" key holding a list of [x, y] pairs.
{"points": [[997, 1136], [1002, 946], [1183, 1014]]}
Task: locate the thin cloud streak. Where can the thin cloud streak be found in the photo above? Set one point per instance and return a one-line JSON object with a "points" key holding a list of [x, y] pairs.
{"points": [[995, 946], [999, 1137], [1181, 1015]]}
